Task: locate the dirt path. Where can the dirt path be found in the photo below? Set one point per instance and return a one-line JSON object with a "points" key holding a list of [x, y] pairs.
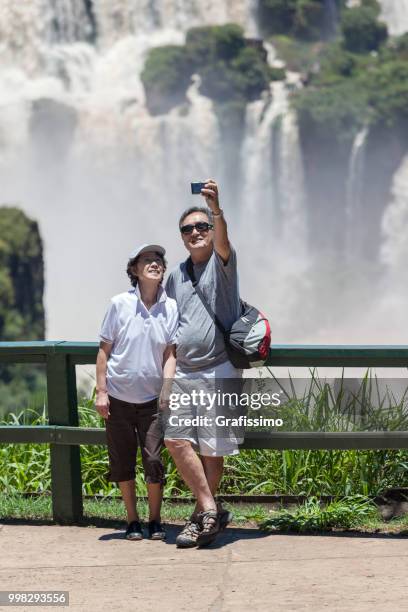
{"points": [[246, 570]]}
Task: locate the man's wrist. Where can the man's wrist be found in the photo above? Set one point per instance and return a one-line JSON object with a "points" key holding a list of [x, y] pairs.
{"points": [[101, 390], [218, 213]]}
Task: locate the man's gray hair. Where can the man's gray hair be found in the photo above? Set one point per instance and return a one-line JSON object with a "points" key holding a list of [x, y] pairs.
{"points": [[195, 209]]}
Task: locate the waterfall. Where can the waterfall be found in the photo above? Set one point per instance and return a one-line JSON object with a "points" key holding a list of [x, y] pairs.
{"points": [[394, 250], [395, 15], [354, 193], [273, 200], [79, 150], [271, 162]]}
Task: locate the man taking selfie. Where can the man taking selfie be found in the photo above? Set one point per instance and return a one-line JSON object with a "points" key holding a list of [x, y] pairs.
{"points": [[201, 358]]}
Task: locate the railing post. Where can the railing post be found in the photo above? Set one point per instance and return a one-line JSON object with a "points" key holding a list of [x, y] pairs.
{"points": [[66, 479]]}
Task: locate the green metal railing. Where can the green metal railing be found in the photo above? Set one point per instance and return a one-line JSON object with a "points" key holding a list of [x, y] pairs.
{"points": [[65, 436]]}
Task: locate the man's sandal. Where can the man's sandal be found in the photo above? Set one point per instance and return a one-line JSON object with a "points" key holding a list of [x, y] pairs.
{"points": [[210, 527]]}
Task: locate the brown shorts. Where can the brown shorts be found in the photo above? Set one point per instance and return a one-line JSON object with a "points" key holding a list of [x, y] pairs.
{"points": [[127, 426]]}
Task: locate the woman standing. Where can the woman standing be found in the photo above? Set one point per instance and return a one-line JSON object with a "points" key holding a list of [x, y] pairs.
{"points": [[136, 354]]}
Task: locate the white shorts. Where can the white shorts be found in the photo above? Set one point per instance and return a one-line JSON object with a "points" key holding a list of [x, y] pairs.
{"points": [[211, 404]]}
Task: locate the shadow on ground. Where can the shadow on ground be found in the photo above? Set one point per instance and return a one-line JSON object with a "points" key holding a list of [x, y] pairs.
{"points": [[231, 534]]}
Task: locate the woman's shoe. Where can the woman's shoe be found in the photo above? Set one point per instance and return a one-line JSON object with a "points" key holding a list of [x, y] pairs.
{"points": [[156, 531], [134, 531]]}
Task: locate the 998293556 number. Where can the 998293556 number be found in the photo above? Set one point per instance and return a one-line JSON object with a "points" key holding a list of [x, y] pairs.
{"points": [[34, 598]]}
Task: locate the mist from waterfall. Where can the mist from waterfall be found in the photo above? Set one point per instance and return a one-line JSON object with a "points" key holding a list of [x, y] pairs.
{"points": [[118, 177], [80, 153], [395, 14]]}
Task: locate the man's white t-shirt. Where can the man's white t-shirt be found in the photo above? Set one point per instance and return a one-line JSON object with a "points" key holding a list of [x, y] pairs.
{"points": [[139, 338]]}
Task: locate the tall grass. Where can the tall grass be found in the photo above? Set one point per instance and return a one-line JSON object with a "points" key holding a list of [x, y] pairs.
{"points": [[320, 408], [26, 467]]}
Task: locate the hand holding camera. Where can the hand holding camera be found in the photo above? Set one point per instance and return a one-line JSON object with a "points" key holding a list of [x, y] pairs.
{"points": [[209, 190]]}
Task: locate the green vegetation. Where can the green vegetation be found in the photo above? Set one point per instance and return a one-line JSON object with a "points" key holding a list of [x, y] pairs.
{"points": [[358, 79], [26, 467], [356, 76], [21, 277], [361, 30], [345, 407], [166, 76], [353, 89], [99, 511], [312, 516], [356, 513], [231, 68], [351, 474], [21, 305], [331, 112]]}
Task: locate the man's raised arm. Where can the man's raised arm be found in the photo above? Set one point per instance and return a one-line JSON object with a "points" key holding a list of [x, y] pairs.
{"points": [[221, 242]]}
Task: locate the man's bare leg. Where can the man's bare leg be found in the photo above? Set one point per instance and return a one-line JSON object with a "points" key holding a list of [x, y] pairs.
{"points": [[155, 496], [192, 471], [213, 469], [127, 488]]}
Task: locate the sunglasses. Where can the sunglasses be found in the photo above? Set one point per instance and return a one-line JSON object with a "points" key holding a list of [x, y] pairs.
{"points": [[200, 226]]}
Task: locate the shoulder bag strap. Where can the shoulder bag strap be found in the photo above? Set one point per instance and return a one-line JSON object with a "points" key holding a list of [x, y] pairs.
{"points": [[194, 281]]}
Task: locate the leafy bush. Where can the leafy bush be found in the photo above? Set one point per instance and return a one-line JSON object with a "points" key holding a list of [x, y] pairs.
{"points": [[200, 46], [229, 41], [166, 76], [21, 277], [349, 90], [333, 112], [387, 88], [230, 67], [337, 63], [361, 30], [245, 77], [311, 516]]}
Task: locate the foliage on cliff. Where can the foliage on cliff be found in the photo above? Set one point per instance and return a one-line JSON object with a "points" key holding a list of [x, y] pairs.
{"points": [[356, 83], [355, 78], [361, 30], [303, 19], [21, 277], [21, 302], [166, 76], [232, 68]]}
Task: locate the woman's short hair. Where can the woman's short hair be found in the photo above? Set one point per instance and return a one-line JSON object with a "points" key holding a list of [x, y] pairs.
{"points": [[132, 262]]}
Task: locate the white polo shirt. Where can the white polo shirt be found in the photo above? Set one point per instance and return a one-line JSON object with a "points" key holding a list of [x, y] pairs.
{"points": [[139, 338]]}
